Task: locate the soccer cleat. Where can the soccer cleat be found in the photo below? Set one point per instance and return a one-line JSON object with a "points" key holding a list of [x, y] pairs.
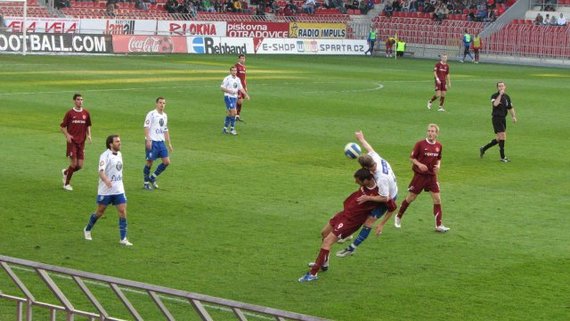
{"points": [[233, 132], [68, 187], [428, 105], [346, 252], [505, 160], [461, 61], [125, 242], [225, 130], [441, 108], [481, 152], [398, 222], [308, 278], [153, 182], [348, 238], [64, 177], [147, 186], [323, 268], [87, 234], [441, 229]]}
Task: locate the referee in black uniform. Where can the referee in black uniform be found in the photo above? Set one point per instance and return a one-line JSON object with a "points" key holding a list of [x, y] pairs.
{"points": [[502, 105]]}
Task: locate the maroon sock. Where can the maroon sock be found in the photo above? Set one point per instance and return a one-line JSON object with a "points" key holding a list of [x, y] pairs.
{"points": [[433, 98], [441, 101], [321, 259], [437, 214], [238, 108], [403, 208], [68, 174]]}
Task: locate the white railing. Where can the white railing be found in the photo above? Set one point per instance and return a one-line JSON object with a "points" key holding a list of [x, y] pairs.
{"points": [[197, 304]]}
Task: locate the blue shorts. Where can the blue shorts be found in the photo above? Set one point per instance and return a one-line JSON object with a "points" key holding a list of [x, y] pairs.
{"points": [[230, 102], [379, 211], [116, 199], [157, 150]]}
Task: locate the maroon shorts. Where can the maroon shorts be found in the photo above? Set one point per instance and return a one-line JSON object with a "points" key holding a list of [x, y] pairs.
{"points": [[240, 95], [75, 150], [441, 86], [421, 183], [342, 227]]}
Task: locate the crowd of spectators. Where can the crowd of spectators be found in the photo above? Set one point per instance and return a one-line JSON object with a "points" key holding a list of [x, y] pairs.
{"points": [[549, 20], [474, 10], [192, 7]]}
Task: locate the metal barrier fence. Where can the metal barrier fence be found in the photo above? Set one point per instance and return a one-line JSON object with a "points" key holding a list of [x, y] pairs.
{"points": [[196, 304]]}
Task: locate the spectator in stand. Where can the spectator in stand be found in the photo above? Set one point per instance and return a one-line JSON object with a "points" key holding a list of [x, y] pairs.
{"points": [[309, 6], [413, 7], [441, 12], [562, 20], [172, 6], [388, 9], [363, 7], [397, 5], [190, 8], [208, 6], [236, 5], [229, 6], [292, 7], [539, 20], [111, 7], [275, 8], [553, 21], [59, 4]]}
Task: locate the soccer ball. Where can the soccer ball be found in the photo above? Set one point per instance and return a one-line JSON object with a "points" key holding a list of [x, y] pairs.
{"points": [[352, 150]]}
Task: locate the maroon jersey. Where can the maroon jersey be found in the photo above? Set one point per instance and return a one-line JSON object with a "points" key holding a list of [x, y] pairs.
{"points": [[441, 70], [353, 211], [76, 123], [428, 154], [241, 75]]}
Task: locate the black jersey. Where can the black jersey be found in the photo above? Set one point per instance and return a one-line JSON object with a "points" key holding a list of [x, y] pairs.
{"points": [[502, 109]]}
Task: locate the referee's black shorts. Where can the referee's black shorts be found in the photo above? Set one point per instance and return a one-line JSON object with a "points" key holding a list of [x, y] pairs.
{"points": [[500, 124]]}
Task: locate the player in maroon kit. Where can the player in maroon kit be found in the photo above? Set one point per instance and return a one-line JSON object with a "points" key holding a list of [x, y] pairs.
{"points": [[356, 209], [442, 82], [426, 160], [241, 73], [76, 126]]}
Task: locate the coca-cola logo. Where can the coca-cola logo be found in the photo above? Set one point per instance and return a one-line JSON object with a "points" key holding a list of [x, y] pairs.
{"points": [[151, 44]]}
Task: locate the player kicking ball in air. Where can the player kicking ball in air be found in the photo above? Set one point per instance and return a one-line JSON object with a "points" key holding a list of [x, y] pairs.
{"points": [[356, 209]]}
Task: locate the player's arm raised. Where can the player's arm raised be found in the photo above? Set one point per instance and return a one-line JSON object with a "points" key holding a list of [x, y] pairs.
{"points": [[360, 136]]}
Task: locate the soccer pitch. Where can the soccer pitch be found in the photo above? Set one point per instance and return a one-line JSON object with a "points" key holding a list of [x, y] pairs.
{"points": [[239, 217]]}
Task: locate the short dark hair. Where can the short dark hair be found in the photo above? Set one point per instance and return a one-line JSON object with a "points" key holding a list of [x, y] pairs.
{"points": [[159, 98], [241, 55], [363, 174], [76, 95], [110, 140]]}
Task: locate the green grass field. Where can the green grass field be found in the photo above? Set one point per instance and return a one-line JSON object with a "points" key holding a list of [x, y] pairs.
{"points": [[239, 217]]}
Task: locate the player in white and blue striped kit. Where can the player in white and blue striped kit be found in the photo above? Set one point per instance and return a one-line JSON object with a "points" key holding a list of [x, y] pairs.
{"points": [[231, 86], [111, 189], [156, 136]]}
